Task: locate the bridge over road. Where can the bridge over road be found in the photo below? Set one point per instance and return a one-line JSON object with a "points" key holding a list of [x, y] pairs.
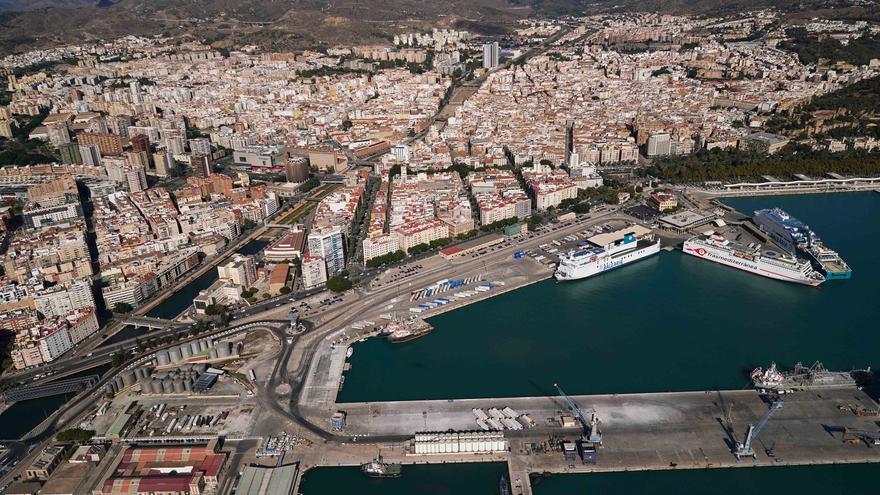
{"points": [[65, 386], [150, 322]]}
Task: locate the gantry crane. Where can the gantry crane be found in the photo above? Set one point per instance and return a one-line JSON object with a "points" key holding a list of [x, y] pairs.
{"points": [[591, 427], [745, 449]]}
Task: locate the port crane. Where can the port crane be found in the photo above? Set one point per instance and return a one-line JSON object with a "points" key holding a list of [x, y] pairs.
{"points": [[591, 427], [745, 449]]}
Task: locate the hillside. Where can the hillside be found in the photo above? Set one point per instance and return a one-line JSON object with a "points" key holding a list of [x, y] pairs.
{"points": [[287, 24]]}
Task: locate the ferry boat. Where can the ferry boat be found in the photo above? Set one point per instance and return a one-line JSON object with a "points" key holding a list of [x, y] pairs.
{"points": [[770, 264], [829, 262], [404, 330], [377, 468], [797, 238], [612, 250]]}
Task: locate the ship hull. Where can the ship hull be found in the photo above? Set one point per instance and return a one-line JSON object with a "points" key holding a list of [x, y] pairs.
{"points": [[832, 271], [607, 264], [715, 255]]}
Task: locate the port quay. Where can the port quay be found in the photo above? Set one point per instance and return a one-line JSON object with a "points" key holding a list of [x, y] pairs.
{"points": [[642, 431]]}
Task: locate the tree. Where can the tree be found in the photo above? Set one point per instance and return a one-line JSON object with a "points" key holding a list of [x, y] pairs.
{"points": [[339, 283], [581, 208], [284, 290], [346, 125], [215, 310], [74, 435], [535, 221], [386, 258], [309, 184], [118, 358], [122, 308]]}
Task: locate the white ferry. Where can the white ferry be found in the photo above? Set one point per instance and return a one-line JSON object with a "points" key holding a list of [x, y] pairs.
{"points": [[769, 264], [610, 251]]}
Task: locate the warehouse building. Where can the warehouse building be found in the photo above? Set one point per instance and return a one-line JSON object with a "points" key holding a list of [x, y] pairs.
{"points": [[476, 442]]}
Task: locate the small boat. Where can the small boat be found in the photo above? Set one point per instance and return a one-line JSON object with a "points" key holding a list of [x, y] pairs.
{"points": [[503, 486], [349, 352], [377, 468]]}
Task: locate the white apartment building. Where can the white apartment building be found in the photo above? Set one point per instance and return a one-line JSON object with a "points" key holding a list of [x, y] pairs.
{"points": [[380, 245], [314, 272], [329, 244], [420, 232]]}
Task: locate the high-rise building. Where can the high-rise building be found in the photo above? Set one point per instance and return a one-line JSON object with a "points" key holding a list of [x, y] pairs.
{"points": [[90, 155], [164, 163], [175, 145], [328, 243], [135, 88], [659, 144], [201, 165], [140, 143], [136, 178], [5, 128], [241, 270], [58, 132], [200, 146], [70, 154], [118, 125], [314, 271], [109, 144], [138, 158], [491, 55]]}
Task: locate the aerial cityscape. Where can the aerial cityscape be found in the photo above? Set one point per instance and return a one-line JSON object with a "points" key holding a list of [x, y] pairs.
{"points": [[512, 247]]}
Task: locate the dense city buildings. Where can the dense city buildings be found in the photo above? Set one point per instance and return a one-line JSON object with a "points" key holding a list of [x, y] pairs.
{"points": [[212, 222]]}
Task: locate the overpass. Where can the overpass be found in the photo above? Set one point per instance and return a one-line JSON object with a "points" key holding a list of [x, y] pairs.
{"points": [[150, 322], [65, 386]]}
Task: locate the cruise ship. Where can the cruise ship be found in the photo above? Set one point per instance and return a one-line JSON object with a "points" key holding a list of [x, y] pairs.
{"points": [[610, 251], [768, 263], [797, 238]]}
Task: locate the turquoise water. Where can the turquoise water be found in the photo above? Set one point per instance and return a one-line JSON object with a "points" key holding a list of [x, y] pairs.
{"points": [[671, 322], [436, 479]]}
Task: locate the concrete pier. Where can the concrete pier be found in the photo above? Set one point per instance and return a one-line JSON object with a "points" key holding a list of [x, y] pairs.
{"points": [[655, 431]]}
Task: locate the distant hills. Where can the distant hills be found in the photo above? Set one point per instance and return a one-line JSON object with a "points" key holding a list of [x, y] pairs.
{"points": [[26, 24]]}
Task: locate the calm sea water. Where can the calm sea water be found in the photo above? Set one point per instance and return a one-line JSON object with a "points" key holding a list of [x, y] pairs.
{"points": [[482, 479], [436, 479], [24, 416], [669, 323], [825, 480]]}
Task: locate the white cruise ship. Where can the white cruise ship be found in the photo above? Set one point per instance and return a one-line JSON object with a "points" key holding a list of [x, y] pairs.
{"points": [[610, 251], [769, 264]]}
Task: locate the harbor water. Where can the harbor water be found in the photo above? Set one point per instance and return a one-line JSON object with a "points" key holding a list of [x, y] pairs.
{"points": [[672, 322], [23, 416], [482, 479], [668, 323], [434, 479]]}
